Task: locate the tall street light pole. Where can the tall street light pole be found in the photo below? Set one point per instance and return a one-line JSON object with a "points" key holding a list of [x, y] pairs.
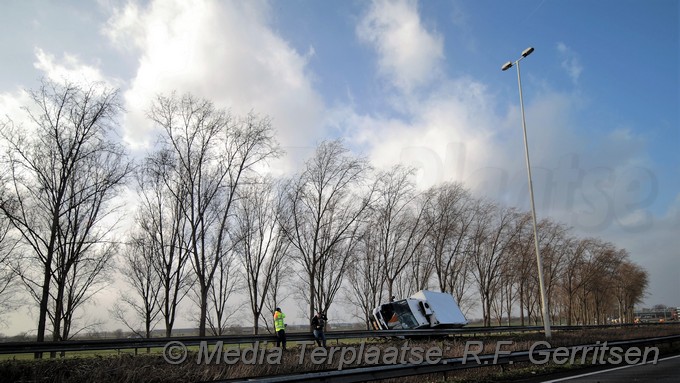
{"points": [[539, 261]]}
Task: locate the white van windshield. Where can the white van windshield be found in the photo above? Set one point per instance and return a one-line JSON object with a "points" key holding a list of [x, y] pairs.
{"points": [[398, 315]]}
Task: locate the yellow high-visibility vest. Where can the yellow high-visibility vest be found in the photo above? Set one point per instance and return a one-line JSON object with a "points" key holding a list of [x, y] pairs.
{"points": [[278, 321]]}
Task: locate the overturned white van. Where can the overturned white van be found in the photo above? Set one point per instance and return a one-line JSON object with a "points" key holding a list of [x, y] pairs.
{"points": [[424, 309]]}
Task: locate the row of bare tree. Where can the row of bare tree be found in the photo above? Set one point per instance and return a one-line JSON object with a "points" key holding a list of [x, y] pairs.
{"points": [[482, 253], [211, 231], [60, 174]]}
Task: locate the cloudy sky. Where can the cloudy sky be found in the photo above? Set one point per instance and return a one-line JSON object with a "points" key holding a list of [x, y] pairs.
{"points": [[412, 82]]}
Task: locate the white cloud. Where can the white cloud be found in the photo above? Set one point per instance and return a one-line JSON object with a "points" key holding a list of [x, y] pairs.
{"points": [[409, 55], [653, 243], [449, 135], [11, 104], [444, 132], [123, 26], [570, 62], [222, 51], [69, 68], [600, 183]]}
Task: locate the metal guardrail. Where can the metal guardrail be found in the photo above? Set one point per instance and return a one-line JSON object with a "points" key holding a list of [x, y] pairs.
{"points": [[361, 374], [123, 344]]}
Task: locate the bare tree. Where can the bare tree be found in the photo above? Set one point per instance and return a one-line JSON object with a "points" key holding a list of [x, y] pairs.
{"points": [[571, 281], [332, 271], [366, 278], [226, 281], [260, 244], [423, 270], [321, 209], [491, 236], [607, 261], [583, 277], [213, 155], [451, 214], [522, 262], [400, 218], [139, 270], [8, 294], [163, 228], [63, 172], [85, 244], [277, 292], [555, 243], [597, 274], [630, 289]]}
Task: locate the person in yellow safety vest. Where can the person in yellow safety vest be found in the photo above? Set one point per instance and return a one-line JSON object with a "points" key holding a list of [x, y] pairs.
{"points": [[280, 328]]}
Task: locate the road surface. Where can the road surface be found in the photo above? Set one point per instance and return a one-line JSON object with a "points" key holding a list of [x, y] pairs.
{"points": [[667, 370]]}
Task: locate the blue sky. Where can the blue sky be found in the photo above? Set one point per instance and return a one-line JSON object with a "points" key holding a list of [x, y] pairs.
{"points": [[412, 82]]}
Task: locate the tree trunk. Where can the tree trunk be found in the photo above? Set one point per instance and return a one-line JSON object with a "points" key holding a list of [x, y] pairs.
{"points": [[204, 311], [312, 292], [521, 303], [44, 300]]}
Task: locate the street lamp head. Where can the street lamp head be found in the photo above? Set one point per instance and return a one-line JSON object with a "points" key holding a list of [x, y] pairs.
{"points": [[527, 51], [506, 66]]}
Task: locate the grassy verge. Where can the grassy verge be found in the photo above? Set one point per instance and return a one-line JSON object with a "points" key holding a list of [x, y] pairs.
{"points": [[125, 366]]}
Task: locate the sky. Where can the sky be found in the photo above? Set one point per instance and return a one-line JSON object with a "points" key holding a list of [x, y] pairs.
{"points": [[418, 83]]}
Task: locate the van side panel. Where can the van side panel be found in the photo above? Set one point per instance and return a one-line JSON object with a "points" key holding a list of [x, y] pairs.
{"points": [[446, 311]]}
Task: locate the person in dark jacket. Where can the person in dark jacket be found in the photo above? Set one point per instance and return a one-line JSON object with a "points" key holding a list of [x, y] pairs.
{"points": [[318, 325]]}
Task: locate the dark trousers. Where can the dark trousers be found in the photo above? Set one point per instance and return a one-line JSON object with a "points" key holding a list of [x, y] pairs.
{"points": [[281, 338], [320, 338]]}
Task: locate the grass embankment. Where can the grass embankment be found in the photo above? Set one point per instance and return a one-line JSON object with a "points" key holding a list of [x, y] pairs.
{"points": [[112, 366]]}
